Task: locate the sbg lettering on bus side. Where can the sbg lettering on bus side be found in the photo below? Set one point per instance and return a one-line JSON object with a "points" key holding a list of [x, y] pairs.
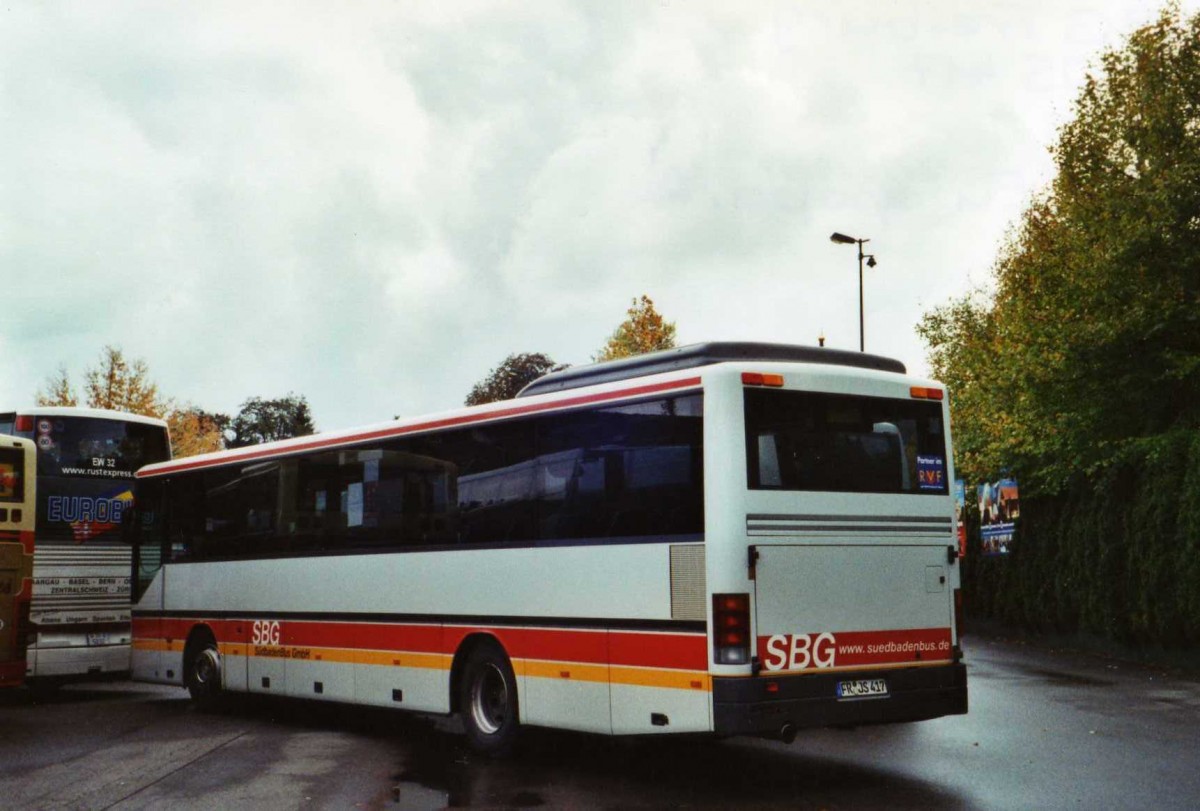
{"points": [[264, 632], [800, 651]]}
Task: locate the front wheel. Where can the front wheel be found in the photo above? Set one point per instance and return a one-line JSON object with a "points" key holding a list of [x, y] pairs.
{"points": [[204, 674], [488, 700]]}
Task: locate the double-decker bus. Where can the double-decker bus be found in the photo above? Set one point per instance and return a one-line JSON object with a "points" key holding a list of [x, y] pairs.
{"points": [[18, 491], [725, 538], [86, 459]]}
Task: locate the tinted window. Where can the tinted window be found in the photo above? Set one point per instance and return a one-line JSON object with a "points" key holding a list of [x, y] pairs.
{"points": [[496, 485], [150, 536], [619, 472], [631, 470], [838, 443]]}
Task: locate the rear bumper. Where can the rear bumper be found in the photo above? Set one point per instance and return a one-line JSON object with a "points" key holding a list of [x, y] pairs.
{"points": [[78, 663], [745, 707]]}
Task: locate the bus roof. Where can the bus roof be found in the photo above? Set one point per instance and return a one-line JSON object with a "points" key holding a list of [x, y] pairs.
{"points": [[89, 413], [705, 354], [666, 380]]}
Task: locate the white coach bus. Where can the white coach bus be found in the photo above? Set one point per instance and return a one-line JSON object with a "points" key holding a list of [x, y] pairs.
{"points": [[723, 538], [79, 612]]}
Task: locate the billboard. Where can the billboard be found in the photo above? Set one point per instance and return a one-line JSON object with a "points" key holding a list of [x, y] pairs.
{"points": [[999, 508]]}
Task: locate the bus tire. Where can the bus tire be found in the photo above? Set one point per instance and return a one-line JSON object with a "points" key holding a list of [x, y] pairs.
{"points": [[488, 700], [202, 672]]}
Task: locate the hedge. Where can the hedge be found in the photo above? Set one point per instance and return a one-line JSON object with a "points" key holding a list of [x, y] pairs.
{"points": [[1116, 556]]}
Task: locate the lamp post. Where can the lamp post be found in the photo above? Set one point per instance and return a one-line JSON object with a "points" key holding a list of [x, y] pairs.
{"points": [[842, 239]]}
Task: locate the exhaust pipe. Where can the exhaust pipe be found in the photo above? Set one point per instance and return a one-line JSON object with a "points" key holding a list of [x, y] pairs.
{"points": [[787, 733]]}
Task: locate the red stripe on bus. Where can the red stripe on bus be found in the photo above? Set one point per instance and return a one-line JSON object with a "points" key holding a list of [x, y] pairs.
{"points": [[558, 645], [632, 649], [449, 422], [658, 650]]}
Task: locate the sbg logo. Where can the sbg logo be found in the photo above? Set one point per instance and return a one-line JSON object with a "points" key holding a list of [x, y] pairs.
{"points": [[264, 632], [800, 651]]}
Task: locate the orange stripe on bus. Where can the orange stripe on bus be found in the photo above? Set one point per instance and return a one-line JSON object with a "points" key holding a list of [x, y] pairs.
{"points": [[532, 668]]}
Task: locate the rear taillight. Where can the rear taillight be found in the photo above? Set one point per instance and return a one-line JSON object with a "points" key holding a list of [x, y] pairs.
{"points": [[958, 613], [24, 424], [731, 629]]}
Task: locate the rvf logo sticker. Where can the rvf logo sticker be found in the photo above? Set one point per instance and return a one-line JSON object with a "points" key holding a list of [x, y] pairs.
{"points": [[931, 473]]}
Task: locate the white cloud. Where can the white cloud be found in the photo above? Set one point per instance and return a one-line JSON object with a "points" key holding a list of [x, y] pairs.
{"points": [[372, 204]]}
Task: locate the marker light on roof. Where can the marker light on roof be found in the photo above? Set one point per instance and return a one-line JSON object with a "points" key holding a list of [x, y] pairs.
{"points": [[760, 379], [923, 393]]}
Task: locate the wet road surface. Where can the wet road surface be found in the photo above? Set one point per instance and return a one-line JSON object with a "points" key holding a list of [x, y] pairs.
{"points": [[1046, 730]]}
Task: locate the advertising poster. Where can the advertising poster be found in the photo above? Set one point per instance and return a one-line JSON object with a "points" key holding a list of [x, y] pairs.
{"points": [[999, 508], [960, 515]]}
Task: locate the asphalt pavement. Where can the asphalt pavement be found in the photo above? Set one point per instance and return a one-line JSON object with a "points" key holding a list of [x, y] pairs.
{"points": [[1047, 729]]}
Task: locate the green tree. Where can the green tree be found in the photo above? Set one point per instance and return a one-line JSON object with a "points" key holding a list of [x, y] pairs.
{"points": [[513, 374], [643, 330], [1088, 352], [262, 420]]}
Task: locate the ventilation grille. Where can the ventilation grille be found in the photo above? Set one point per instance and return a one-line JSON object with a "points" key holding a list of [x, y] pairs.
{"points": [[688, 590], [877, 526]]}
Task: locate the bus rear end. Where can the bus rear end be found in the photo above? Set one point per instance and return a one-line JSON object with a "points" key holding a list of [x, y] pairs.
{"points": [[80, 608], [18, 489], [834, 590]]}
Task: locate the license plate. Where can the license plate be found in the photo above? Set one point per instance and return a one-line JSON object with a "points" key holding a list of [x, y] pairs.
{"points": [[862, 688], [99, 638]]}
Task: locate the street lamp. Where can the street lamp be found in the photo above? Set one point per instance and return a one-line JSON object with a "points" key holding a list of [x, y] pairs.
{"points": [[842, 239]]}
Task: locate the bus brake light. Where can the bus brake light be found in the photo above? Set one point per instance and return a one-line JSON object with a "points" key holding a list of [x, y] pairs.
{"points": [[925, 393], [731, 619], [24, 423]]}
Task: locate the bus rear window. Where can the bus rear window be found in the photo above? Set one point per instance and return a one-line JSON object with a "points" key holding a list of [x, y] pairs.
{"points": [[95, 448], [12, 475], [844, 444]]}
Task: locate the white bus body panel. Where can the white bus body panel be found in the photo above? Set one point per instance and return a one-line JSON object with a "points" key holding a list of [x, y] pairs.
{"points": [[631, 580], [77, 586]]}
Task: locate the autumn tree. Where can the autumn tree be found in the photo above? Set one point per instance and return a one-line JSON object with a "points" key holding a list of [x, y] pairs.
{"points": [[267, 420], [120, 385], [58, 391], [513, 374], [195, 431], [117, 384], [643, 330]]}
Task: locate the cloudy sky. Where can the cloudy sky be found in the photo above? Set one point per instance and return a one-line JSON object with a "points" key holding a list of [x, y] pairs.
{"points": [[373, 204]]}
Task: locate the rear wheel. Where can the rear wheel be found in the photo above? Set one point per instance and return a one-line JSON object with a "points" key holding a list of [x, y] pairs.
{"points": [[488, 700], [203, 674]]}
